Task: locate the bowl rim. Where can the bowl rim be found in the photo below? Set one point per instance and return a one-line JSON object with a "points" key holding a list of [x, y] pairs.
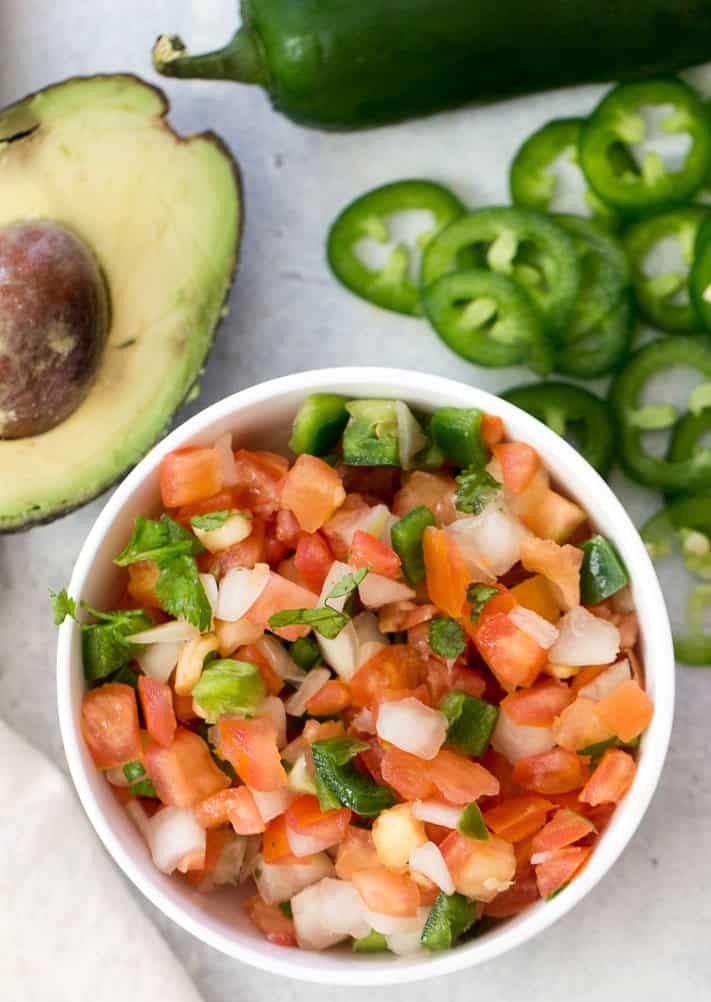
{"points": [[412, 385]]}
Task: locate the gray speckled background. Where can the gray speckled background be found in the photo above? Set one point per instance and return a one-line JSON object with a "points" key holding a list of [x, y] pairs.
{"points": [[642, 935]]}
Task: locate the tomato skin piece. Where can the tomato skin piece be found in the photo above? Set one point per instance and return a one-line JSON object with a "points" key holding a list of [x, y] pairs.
{"points": [[387, 892], [185, 773], [156, 700], [405, 774], [519, 817], [332, 698], [556, 771], [109, 725], [514, 657], [277, 927], [355, 852], [519, 463], [367, 551], [313, 559], [189, 475], [564, 828], [446, 571], [535, 593], [251, 747], [491, 430], [459, 780], [561, 867], [539, 705], [313, 491], [304, 817], [243, 813], [628, 710], [611, 779], [213, 811], [395, 667], [522, 893]]}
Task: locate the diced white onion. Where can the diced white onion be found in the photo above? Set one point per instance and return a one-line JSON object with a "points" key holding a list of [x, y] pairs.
{"points": [[175, 631], [313, 682], [408, 944], [300, 779], [390, 925], [233, 530], [223, 448], [370, 639], [173, 836], [327, 913], [607, 681], [209, 584], [230, 864], [375, 590], [307, 845], [428, 860], [277, 882], [137, 814], [515, 741], [411, 438], [272, 803], [341, 652], [585, 639], [337, 571], [230, 636], [494, 537], [434, 812], [279, 659], [273, 709], [364, 721], [239, 590], [413, 727], [537, 628], [158, 660]]}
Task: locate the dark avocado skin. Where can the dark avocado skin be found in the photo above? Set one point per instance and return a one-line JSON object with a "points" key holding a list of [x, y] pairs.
{"points": [[18, 122]]}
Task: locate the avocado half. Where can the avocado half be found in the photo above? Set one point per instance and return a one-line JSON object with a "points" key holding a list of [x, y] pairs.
{"points": [[163, 215]]}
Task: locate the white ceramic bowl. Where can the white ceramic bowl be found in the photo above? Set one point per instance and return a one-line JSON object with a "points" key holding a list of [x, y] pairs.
{"points": [[261, 417]]}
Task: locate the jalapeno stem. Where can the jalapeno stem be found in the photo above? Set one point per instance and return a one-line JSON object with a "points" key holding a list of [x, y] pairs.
{"points": [[241, 59]]}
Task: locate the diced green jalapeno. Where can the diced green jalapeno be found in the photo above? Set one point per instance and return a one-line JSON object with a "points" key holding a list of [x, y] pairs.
{"points": [[374, 942], [229, 686], [368, 217], [342, 782], [568, 409], [601, 350], [318, 424], [617, 122], [381, 433], [472, 823], [457, 431], [525, 246], [471, 722], [406, 538], [602, 572], [450, 917], [700, 276], [306, 652]]}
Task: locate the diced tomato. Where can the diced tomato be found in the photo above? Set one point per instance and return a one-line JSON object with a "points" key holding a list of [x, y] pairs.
{"points": [[313, 491], [315, 730], [564, 828], [340, 528], [387, 892], [559, 868], [251, 747], [628, 625], [109, 725], [243, 813], [189, 475], [611, 779], [480, 870], [458, 779], [274, 549], [586, 675], [313, 560], [556, 771], [435, 491], [372, 759], [600, 815], [448, 575], [281, 594], [287, 528], [499, 766], [249, 552], [491, 430], [214, 811], [216, 840], [252, 654], [516, 898], [333, 697], [539, 705], [271, 920], [518, 818], [157, 705], [393, 668], [554, 517], [519, 463], [628, 710], [420, 615], [142, 577], [405, 774], [579, 725], [311, 830], [560, 565], [275, 843], [259, 479], [367, 551], [223, 501], [513, 656], [183, 707], [355, 852], [536, 594], [185, 773], [469, 680]]}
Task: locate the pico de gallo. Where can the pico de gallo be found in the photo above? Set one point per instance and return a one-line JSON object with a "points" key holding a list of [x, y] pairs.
{"points": [[391, 684]]}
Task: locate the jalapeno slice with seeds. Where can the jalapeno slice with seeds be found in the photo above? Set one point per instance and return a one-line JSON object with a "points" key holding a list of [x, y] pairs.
{"points": [[369, 217], [572, 413], [617, 123], [691, 474], [524, 246], [663, 298], [487, 319], [601, 350]]}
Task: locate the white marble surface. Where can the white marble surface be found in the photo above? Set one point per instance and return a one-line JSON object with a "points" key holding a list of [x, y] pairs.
{"points": [[642, 934]]}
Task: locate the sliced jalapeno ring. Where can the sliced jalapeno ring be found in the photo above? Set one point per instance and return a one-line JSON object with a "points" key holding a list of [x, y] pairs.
{"points": [[687, 434], [368, 216], [691, 474], [571, 411], [602, 349], [700, 276], [528, 247], [487, 319], [617, 122], [661, 297]]}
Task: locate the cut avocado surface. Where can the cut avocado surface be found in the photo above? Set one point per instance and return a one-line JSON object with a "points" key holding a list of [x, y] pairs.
{"points": [[163, 216]]}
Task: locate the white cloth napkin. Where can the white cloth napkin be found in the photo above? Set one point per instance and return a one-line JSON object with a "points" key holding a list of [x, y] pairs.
{"points": [[69, 929]]}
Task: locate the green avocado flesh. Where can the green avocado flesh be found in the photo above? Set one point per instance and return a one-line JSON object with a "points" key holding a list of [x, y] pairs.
{"points": [[163, 216]]}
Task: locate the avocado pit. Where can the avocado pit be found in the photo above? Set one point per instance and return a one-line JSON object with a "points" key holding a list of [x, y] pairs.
{"points": [[54, 321]]}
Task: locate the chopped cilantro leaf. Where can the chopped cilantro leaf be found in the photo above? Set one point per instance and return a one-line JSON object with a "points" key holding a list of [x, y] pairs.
{"points": [[212, 520], [63, 606], [447, 638], [477, 596], [326, 621], [476, 489], [158, 540], [181, 592], [347, 584], [285, 909]]}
